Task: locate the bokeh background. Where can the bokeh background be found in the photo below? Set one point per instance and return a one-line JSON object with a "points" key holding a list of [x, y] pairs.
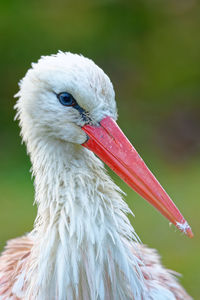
{"points": [[151, 51]]}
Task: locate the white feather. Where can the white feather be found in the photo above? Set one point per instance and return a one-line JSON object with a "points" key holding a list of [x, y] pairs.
{"points": [[82, 237]]}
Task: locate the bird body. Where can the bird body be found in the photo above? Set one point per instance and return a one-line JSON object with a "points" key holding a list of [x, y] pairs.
{"points": [[82, 245]]}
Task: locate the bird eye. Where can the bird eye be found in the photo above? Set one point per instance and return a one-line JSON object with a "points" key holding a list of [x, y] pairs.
{"points": [[66, 99]]}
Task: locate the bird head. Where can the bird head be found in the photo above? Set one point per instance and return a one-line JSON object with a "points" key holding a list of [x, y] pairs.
{"points": [[67, 97], [61, 93]]}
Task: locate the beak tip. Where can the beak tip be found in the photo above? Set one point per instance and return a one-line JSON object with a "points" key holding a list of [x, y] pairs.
{"points": [[185, 228], [190, 233]]}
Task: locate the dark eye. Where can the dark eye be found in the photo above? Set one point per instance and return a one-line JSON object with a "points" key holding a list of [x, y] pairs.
{"points": [[66, 99]]}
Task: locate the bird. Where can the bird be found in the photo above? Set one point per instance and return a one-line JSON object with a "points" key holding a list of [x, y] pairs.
{"points": [[82, 246]]}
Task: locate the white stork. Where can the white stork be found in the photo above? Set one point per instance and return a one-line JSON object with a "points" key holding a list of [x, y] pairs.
{"points": [[82, 246]]}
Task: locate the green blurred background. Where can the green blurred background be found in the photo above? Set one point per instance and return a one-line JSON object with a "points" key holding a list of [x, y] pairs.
{"points": [[151, 51]]}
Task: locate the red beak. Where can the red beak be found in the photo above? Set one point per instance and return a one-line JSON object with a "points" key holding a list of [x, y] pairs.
{"points": [[109, 143]]}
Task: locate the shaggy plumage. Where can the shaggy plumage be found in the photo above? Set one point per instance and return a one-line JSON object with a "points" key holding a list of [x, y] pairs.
{"points": [[82, 245], [15, 260]]}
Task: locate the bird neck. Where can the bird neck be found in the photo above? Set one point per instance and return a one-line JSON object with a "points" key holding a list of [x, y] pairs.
{"points": [[70, 180], [81, 228]]}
